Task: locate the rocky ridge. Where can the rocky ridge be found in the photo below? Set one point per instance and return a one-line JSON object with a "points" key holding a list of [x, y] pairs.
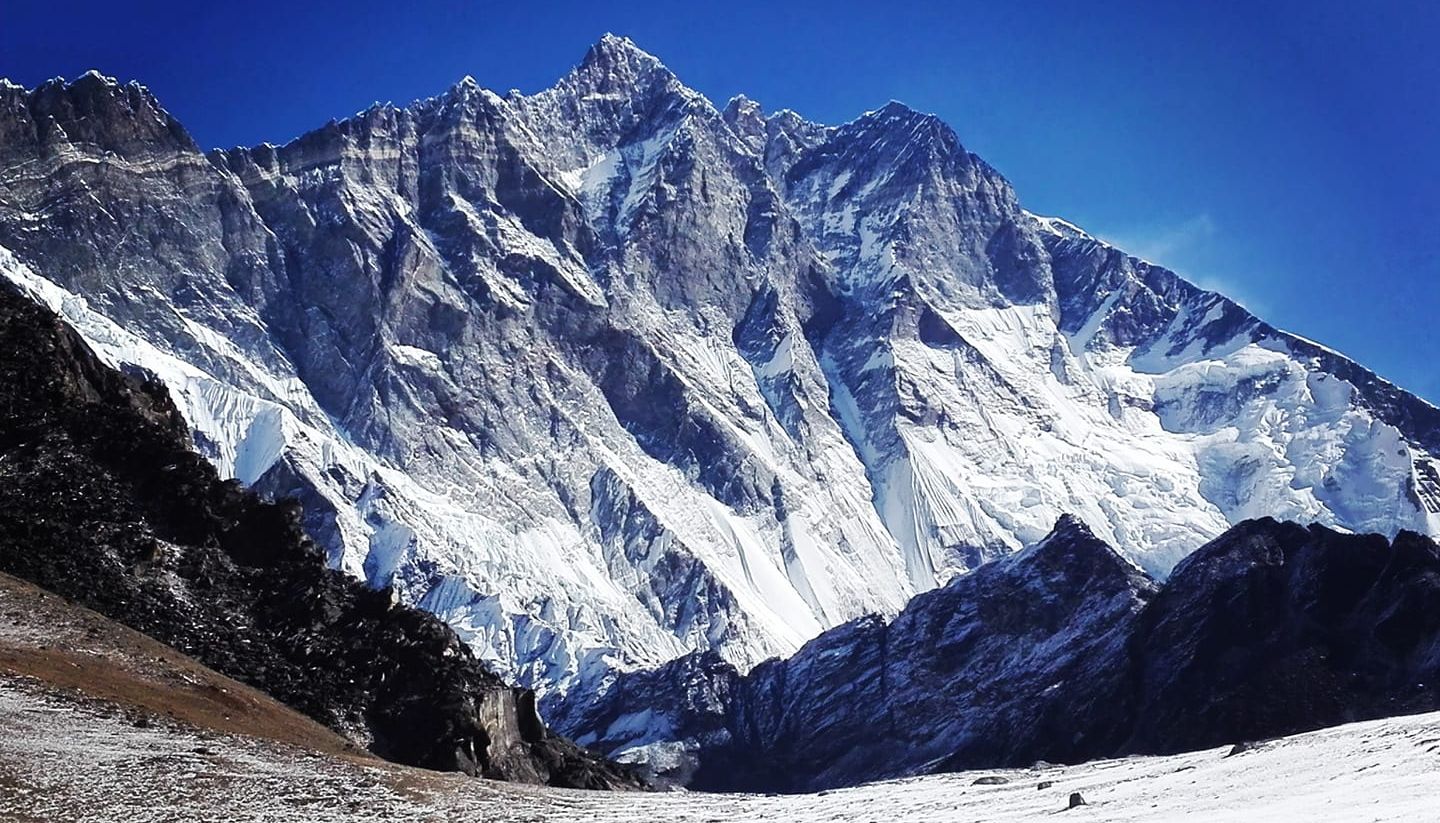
{"points": [[1063, 652], [103, 500]]}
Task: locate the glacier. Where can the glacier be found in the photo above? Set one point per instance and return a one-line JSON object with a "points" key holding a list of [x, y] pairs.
{"points": [[607, 374]]}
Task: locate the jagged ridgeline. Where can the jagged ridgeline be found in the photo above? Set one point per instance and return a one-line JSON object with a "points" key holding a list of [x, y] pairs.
{"points": [[1063, 652], [606, 374], [103, 501]]}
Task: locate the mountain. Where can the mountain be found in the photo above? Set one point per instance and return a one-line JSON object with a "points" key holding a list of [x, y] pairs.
{"points": [[604, 375], [103, 501], [1062, 652], [1274, 626]]}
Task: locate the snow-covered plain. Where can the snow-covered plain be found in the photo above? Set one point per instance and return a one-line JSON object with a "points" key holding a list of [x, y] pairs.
{"points": [[64, 760]]}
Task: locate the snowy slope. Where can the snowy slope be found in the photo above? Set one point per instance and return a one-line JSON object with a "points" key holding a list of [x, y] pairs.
{"points": [[604, 374], [64, 760]]}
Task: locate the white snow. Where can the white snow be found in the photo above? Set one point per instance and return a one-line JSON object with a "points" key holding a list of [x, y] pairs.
{"points": [[1060, 227], [64, 760], [415, 356]]}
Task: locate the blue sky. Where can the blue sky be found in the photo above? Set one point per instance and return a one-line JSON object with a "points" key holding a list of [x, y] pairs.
{"points": [[1282, 152]]}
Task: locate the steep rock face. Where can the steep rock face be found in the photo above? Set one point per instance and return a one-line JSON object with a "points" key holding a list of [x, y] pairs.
{"points": [[603, 375], [1061, 652], [102, 500], [1279, 626], [993, 668], [942, 679]]}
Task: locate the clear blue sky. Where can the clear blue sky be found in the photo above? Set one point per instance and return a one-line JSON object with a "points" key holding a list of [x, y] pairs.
{"points": [[1287, 153]]}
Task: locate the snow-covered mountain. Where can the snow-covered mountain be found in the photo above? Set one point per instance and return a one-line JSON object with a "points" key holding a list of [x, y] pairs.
{"points": [[605, 374]]}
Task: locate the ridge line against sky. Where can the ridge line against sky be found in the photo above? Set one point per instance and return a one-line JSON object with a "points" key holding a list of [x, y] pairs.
{"points": [[1279, 152]]}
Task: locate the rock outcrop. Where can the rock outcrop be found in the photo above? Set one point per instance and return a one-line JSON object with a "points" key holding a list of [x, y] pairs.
{"points": [[1276, 627]]}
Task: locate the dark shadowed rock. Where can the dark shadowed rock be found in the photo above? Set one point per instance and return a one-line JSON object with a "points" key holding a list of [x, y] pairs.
{"points": [[102, 500], [1066, 652], [1275, 628]]}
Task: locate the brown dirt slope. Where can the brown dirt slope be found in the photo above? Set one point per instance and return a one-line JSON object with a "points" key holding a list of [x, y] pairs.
{"points": [[68, 647]]}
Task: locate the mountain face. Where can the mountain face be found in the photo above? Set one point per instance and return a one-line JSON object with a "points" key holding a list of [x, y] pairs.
{"points": [[1277, 626], [1061, 652], [992, 669], [103, 501], [604, 375]]}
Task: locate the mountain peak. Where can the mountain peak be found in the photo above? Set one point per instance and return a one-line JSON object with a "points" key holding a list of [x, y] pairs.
{"points": [[612, 51], [1068, 525], [94, 77], [617, 42], [742, 106], [615, 68], [99, 110], [898, 111], [1073, 551], [1260, 541], [903, 128], [747, 119], [1069, 534], [468, 90]]}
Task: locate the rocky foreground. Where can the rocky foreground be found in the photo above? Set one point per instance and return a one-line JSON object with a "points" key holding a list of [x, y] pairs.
{"points": [[65, 759], [100, 723]]}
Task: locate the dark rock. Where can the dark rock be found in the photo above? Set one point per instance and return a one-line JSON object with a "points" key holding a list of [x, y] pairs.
{"points": [[1241, 747], [1076, 800], [1275, 628], [1065, 652], [991, 780], [1045, 784], [96, 471]]}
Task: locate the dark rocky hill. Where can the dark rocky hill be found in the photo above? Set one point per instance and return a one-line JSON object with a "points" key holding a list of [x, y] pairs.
{"points": [[1063, 652], [103, 501]]}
